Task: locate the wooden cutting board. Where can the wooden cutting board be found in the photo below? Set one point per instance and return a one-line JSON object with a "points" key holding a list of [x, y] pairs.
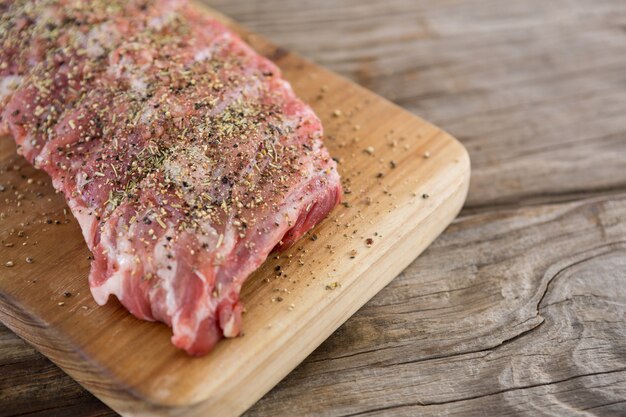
{"points": [[405, 181]]}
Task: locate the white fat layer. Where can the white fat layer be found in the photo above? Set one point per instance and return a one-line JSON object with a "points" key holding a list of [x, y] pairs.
{"points": [[230, 238], [139, 85], [112, 286], [159, 22], [167, 277], [203, 54], [206, 53], [42, 158], [86, 221], [26, 146], [201, 276], [98, 38], [147, 115], [132, 65], [81, 180], [121, 252], [8, 85], [229, 327]]}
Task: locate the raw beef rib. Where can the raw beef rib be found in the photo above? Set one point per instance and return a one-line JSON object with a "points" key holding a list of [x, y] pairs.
{"points": [[184, 155]]}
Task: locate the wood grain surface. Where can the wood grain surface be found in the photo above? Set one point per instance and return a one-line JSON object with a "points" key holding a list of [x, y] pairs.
{"points": [[519, 308]]}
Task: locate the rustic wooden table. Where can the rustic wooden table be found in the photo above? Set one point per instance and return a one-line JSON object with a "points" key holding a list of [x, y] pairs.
{"points": [[520, 306]]}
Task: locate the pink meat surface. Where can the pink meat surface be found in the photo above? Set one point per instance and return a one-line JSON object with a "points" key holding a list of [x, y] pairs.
{"points": [[184, 155]]}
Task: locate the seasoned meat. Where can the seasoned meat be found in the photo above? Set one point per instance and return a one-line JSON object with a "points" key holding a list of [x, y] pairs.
{"points": [[184, 155]]}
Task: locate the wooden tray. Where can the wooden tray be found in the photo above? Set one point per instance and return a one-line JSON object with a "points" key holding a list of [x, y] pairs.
{"points": [[405, 180]]}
